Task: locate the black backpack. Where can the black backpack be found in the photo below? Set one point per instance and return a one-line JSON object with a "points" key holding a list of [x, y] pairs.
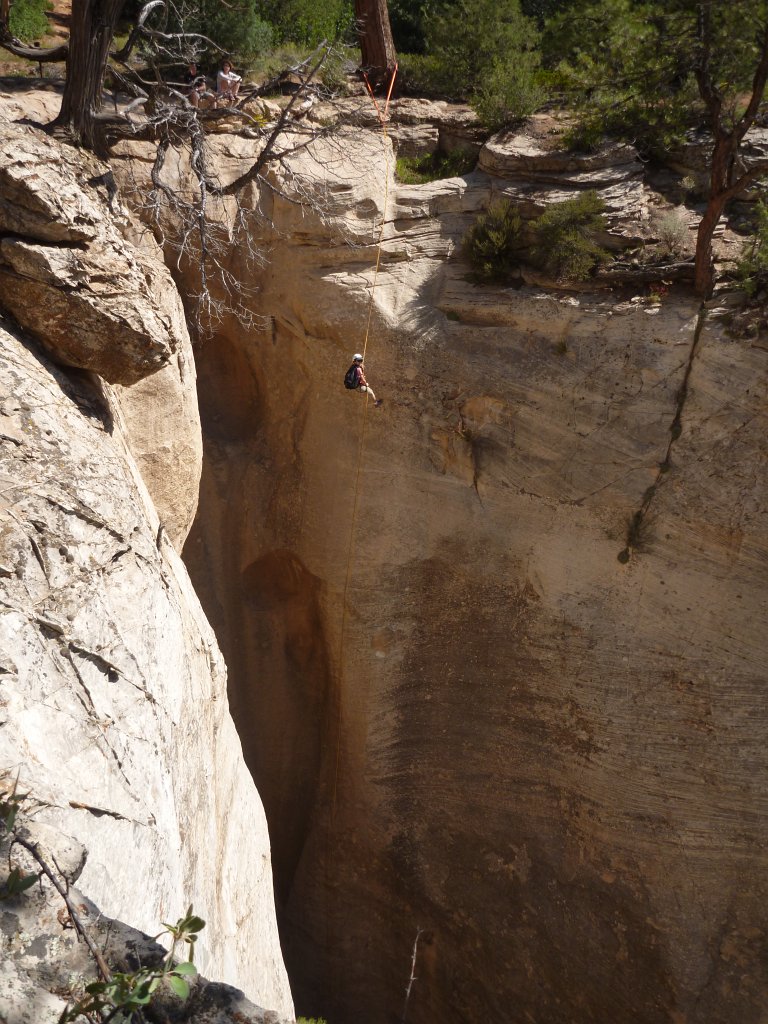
{"points": [[350, 378]]}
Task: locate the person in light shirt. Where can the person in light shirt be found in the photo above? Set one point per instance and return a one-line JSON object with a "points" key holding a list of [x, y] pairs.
{"points": [[354, 379], [227, 85]]}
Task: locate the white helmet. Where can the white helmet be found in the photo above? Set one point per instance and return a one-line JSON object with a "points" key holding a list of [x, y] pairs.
{"points": [[357, 358]]}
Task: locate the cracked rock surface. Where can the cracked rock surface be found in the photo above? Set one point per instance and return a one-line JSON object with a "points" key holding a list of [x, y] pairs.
{"points": [[67, 275], [113, 698], [45, 964]]}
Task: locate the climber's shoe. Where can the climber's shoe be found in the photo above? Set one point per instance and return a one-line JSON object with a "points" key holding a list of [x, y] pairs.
{"points": [[378, 402]]}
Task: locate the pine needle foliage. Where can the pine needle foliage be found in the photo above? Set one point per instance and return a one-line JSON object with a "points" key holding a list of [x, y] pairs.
{"points": [[27, 20], [492, 245], [564, 238]]}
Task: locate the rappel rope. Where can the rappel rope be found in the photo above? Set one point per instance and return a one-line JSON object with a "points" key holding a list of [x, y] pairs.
{"points": [[361, 445]]}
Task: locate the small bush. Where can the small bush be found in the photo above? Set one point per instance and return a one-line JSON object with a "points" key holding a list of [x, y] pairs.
{"points": [[672, 232], [27, 20], [341, 64], [752, 267], [416, 170], [564, 245], [308, 22], [492, 243], [420, 75], [586, 136], [508, 91]]}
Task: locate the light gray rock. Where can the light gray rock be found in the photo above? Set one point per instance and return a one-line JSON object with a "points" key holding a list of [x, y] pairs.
{"points": [[114, 704], [66, 273], [45, 964]]}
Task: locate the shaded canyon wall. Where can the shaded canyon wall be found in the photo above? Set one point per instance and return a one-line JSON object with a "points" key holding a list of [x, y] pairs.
{"points": [[484, 727]]}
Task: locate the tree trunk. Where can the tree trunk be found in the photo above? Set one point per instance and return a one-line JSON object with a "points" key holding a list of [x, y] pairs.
{"points": [[719, 181], [704, 273], [92, 28], [376, 45]]}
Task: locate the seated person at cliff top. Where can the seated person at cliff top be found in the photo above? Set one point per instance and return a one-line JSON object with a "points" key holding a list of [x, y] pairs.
{"points": [[227, 84]]}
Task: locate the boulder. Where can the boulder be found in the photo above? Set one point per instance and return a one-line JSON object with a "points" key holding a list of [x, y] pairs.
{"points": [[66, 273]]}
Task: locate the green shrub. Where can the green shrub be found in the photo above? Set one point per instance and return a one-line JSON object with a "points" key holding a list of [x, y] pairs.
{"points": [[508, 91], [239, 29], [468, 39], [27, 20], [752, 267], [627, 67], [493, 242], [420, 75], [586, 135], [416, 170], [342, 61], [482, 51], [309, 22], [564, 243]]}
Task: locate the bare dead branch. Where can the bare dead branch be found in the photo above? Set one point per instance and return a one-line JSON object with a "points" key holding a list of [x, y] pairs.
{"points": [[412, 978], [267, 152], [62, 891]]}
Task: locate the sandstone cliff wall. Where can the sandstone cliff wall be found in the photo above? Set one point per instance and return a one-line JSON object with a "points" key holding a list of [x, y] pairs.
{"points": [[544, 759], [114, 705]]}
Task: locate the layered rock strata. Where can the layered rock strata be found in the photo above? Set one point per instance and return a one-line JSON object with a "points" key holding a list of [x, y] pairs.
{"points": [[477, 729]]}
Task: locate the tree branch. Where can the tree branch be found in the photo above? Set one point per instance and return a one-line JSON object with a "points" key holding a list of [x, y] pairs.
{"points": [[758, 89], [42, 55], [267, 152], [61, 890], [123, 54]]}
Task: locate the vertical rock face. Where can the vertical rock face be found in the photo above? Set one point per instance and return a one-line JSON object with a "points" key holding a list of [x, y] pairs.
{"points": [[114, 692], [113, 699], [541, 762]]}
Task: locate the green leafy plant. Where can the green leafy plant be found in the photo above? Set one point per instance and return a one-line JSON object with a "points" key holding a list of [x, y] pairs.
{"points": [[509, 90], [307, 22], [564, 238], [27, 20], [483, 51], [493, 242], [416, 170], [123, 994]]}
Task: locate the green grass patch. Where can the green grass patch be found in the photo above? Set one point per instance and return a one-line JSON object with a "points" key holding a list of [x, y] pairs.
{"points": [[417, 170]]}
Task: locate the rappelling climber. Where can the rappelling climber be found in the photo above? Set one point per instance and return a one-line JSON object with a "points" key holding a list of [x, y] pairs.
{"points": [[354, 379]]}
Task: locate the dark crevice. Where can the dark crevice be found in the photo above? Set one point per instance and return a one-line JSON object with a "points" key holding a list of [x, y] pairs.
{"points": [[637, 528], [47, 243], [98, 812]]}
